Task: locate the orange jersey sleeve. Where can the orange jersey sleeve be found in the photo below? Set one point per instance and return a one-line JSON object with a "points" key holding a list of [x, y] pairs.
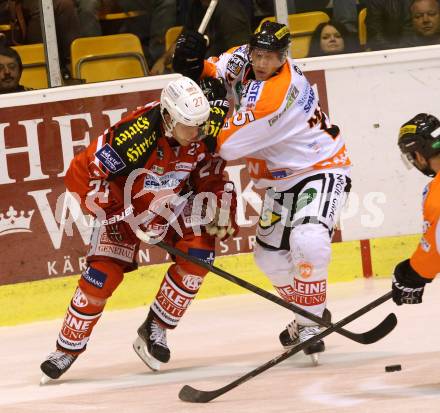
{"points": [[426, 258]]}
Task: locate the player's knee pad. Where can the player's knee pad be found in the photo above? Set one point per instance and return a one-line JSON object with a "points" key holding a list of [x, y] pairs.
{"points": [[187, 267], [176, 293], [101, 278], [200, 247], [310, 250], [276, 264]]}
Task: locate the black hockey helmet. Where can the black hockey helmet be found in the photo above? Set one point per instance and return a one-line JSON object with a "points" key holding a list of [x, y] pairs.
{"points": [[420, 134], [271, 36]]}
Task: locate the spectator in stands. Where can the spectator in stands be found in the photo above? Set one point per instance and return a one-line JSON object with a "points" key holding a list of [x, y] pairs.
{"points": [[304, 6], [66, 22], [229, 26], [293, 6], [10, 70], [425, 17], [388, 24], [151, 27], [332, 38], [88, 11], [346, 13]]}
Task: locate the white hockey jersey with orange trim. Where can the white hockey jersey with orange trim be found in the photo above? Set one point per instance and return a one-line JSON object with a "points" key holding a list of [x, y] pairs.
{"points": [[277, 125], [426, 259]]}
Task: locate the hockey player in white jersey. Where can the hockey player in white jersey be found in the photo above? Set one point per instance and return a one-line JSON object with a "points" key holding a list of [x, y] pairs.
{"points": [[293, 151]]}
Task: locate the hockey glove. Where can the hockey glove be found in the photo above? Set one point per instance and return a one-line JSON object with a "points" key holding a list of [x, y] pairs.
{"points": [[213, 88], [189, 55], [407, 284], [217, 117], [156, 228], [224, 223], [117, 228]]}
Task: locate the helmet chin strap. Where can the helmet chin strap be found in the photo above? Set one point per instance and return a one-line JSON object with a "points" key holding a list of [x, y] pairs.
{"points": [[427, 171], [168, 124]]}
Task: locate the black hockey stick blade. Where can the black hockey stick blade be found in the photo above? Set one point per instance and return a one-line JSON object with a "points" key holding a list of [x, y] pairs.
{"points": [[367, 337], [192, 395], [377, 333]]}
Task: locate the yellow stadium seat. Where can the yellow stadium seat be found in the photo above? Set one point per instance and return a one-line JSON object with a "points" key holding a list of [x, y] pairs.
{"points": [[5, 27], [362, 27], [101, 58], [34, 65], [121, 15], [302, 26], [171, 35]]}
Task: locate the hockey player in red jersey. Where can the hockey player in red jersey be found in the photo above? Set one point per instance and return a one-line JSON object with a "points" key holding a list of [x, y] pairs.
{"points": [[293, 151], [149, 170], [419, 142]]}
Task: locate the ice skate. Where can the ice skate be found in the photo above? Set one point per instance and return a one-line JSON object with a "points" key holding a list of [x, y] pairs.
{"points": [[151, 343], [294, 334], [56, 364], [289, 337], [307, 332]]}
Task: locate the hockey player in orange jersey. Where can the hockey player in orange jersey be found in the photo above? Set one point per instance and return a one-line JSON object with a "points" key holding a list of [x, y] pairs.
{"points": [[146, 172], [293, 151], [419, 142]]}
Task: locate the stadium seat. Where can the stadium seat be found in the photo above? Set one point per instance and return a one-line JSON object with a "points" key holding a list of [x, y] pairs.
{"points": [[121, 15], [34, 65], [101, 58], [301, 27], [118, 22], [5, 27], [362, 27], [171, 35]]}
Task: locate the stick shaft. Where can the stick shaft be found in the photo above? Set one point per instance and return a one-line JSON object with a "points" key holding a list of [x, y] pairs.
{"points": [[257, 290], [190, 394], [207, 16]]}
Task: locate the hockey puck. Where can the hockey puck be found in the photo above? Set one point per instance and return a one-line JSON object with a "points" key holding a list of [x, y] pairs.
{"points": [[393, 367]]}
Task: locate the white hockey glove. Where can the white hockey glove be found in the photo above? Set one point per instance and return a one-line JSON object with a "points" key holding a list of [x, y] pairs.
{"points": [[224, 223]]}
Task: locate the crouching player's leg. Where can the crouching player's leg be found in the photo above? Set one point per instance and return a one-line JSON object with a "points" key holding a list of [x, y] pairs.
{"points": [[177, 291], [296, 256], [95, 286], [107, 261]]}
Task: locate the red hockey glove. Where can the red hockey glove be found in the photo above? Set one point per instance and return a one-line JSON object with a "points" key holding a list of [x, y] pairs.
{"points": [[156, 228], [117, 227], [224, 223]]}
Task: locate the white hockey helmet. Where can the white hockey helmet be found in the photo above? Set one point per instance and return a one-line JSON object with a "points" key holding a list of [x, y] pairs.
{"points": [[185, 102]]}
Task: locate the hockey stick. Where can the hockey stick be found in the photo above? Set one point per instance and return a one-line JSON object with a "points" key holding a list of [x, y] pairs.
{"points": [[368, 337], [207, 17], [192, 395]]}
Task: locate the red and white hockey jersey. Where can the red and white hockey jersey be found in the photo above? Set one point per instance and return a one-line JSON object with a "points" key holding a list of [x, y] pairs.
{"points": [[277, 125], [138, 141]]}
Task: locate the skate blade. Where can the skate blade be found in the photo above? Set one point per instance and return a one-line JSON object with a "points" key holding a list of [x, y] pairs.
{"points": [[315, 358], [44, 380], [141, 350]]}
